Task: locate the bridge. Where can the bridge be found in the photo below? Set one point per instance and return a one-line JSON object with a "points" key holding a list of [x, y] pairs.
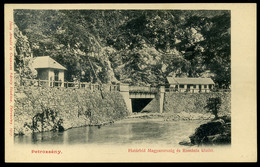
{"points": [[137, 97]]}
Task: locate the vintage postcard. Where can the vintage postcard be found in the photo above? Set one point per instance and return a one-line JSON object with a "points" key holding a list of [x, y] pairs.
{"points": [[130, 83]]}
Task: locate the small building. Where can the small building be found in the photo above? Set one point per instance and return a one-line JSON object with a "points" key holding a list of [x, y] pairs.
{"points": [[49, 70], [193, 85]]}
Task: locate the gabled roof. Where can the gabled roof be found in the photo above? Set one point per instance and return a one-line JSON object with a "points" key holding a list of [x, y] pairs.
{"points": [[46, 62], [185, 81]]}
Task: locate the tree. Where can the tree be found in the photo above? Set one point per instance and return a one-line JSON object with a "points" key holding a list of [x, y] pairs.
{"points": [[217, 54], [213, 105], [138, 45]]}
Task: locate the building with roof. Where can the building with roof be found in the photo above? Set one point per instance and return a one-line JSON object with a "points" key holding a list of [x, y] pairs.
{"points": [[194, 85], [49, 70]]}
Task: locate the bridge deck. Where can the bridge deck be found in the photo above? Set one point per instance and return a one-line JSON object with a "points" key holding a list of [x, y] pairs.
{"points": [[143, 89], [139, 92], [141, 96]]}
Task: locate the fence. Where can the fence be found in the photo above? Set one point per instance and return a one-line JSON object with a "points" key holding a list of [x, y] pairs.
{"points": [[66, 84], [196, 90], [110, 87]]}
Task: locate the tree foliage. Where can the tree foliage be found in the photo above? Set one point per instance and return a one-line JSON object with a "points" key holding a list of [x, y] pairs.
{"points": [[135, 46]]}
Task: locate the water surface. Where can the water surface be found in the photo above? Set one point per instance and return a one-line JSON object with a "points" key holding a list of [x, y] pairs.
{"points": [[122, 132]]}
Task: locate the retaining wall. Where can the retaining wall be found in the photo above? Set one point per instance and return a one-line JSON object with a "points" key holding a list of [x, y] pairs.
{"points": [[194, 102], [75, 107]]}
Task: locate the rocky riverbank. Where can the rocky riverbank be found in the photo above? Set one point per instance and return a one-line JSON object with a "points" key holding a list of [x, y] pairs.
{"points": [[173, 116], [215, 132]]}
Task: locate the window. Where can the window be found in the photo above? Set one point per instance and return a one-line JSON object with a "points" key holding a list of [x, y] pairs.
{"points": [[205, 86], [181, 86]]}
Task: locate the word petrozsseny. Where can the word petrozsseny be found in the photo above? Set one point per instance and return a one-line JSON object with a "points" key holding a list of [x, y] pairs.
{"points": [[46, 152]]}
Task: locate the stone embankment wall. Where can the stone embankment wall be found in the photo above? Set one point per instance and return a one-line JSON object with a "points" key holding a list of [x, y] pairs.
{"points": [[189, 105], [195, 102], [39, 109]]}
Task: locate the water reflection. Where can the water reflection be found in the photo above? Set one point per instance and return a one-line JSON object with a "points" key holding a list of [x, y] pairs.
{"points": [[146, 131], [122, 133]]}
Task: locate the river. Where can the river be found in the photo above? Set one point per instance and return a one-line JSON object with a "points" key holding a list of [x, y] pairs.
{"points": [[128, 131]]}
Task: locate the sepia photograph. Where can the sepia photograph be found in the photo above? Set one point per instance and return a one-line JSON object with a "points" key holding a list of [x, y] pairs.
{"points": [[149, 80]]}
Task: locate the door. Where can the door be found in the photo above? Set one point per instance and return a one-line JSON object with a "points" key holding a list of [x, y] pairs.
{"points": [[188, 88], [56, 77]]}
